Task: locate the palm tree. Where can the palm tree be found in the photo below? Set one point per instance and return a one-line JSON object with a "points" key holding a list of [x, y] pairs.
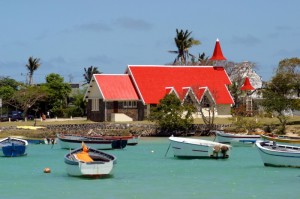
{"points": [[183, 42], [88, 73], [33, 65]]}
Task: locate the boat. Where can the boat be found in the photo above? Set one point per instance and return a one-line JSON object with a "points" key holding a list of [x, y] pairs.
{"points": [[282, 139], [13, 147], [280, 155], [89, 162], [198, 148], [236, 139], [134, 140], [67, 141]]}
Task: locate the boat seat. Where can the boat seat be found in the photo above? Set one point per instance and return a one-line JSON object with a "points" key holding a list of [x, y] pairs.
{"points": [[83, 156]]}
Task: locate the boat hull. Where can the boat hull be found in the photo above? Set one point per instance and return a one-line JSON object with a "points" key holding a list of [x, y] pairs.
{"points": [[236, 139], [196, 148], [74, 142], [13, 147], [102, 165], [133, 141], [278, 155], [288, 141]]}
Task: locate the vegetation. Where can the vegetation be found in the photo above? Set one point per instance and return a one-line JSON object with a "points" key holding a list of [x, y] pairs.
{"points": [[58, 93], [184, 42], [33, 65], [279, 95], [172, 116], [89, 72]]}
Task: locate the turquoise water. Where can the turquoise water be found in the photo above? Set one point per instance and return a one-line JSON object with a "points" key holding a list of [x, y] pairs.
{"points": [[144, 172]]}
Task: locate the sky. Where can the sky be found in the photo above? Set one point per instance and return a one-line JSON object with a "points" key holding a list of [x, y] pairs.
{"points": [[70, 35]]}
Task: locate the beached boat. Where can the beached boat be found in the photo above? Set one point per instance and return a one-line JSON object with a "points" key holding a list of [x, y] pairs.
{"points": [[236, 139], [89, 162], [274, 154], [13, 147], [74, 141], [282, 139], [198, 148]]}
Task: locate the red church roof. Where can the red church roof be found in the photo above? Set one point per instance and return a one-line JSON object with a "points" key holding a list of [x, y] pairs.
{"points": [[151, 81], [247, 85], [218, 55], [116, 87]]}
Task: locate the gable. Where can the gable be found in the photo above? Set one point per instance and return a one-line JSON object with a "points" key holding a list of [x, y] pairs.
{"points": [[151, 81], [116, 87]]}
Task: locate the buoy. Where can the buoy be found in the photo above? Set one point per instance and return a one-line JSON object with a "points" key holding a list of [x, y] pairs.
{"points": [[47, 170], [152, 151]]}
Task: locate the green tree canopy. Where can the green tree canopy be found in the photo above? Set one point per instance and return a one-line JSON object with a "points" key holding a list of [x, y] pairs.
{"points": [[89, 72], [184, 42], [58, 92], [279, 94], [32, 65], [171, 115]]}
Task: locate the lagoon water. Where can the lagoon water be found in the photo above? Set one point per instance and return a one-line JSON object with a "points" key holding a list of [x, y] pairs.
{"points": [[144, 172]]}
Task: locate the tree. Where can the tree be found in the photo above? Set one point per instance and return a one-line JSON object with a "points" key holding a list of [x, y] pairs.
{"points": [[291, 66], [169, 114], [278, 97], [26, 97], [89, 72], [33, 65], [58, 92], [183, 43]]}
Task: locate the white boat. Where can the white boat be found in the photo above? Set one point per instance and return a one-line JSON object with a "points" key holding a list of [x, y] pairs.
{"points": [[198, 148], [13, 147], [89, 162], [236, 139], [273, 154], [75, 141], [282, 139]]}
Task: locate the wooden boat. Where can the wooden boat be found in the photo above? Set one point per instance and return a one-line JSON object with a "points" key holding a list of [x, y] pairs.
{"points": [[236, 139], [134, 140], [13, 147], [74, 141], [89, 162], [282, 139], [198, 148], [273, 154]]}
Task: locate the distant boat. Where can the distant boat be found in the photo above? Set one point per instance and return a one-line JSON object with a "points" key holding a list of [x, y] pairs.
{"points": [[273, 154], [282, 139], [134, 140], [74, 141], [13, 147], [198, 148], [89, 162], [236, 139]]}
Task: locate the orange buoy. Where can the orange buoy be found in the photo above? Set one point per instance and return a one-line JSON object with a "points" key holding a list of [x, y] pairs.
{"points": [[47, 170]]}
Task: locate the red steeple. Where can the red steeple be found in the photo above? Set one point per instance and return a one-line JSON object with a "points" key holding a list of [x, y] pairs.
{"points": [[247, 85], [218, 55]]}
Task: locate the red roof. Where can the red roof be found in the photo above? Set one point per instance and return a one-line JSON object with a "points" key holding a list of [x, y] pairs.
{"points": [[247, 85], [218, 55], [151, 81], [116, 87]]}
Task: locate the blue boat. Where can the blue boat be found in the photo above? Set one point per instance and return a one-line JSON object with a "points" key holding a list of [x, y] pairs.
{"points": [[13, 147]]}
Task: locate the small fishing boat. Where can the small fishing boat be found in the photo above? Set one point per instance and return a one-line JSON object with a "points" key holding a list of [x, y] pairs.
{"points": [[13, 147], [273, 154], [134, 140], [74, 141], [198, 148], [89, 162], [282, 139], [236, 139]]}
